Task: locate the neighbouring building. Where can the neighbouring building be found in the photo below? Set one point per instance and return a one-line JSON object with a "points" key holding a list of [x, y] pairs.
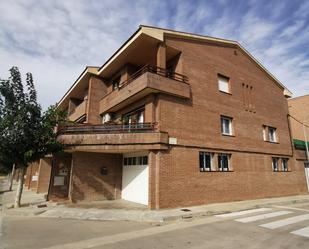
{"points": [[299, 120], [176, 119]]}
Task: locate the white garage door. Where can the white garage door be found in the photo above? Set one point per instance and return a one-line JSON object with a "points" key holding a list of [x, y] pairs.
{"points": [[135, 179]]}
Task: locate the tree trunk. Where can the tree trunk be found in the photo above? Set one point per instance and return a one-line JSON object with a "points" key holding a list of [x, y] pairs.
{"points": [[12, 177], [20, 186]]}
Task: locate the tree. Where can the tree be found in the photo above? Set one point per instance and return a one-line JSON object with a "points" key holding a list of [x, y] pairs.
{"points": [[27, 133]]}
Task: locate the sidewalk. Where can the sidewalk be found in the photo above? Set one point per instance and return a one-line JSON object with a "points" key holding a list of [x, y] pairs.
{"points": [[34, 205]]}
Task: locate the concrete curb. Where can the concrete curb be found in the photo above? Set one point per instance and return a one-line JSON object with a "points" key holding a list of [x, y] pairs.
{"points": [[60, 211], [54, 210]]}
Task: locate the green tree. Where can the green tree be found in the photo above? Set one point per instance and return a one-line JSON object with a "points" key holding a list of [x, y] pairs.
{"points": [[27, 133]]}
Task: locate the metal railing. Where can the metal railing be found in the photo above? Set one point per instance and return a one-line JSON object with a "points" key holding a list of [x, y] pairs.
{"points": [[156, 70], [107, 128]]}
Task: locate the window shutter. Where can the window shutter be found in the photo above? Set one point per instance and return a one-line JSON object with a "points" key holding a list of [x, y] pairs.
{"points": [[223, 84]]}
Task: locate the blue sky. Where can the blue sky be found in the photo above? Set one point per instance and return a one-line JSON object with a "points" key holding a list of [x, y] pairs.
{"points": [[56, 39]]}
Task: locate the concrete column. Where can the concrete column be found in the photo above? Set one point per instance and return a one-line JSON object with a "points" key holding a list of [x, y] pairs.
{"points": [[215, 166], [44, 175], [34, 174], [154, 170], [29, 176], [150, 108], [97, 90], [161, 55]]}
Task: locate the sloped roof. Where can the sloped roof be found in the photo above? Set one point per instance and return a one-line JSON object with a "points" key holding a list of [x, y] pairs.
{"points": [[85, 74], [158, 34]]}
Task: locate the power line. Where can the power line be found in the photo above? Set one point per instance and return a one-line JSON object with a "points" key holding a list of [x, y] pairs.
{"points": [[298, 120]]}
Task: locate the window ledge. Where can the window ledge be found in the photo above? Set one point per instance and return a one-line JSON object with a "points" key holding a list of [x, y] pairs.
{"points": [[214, 171], [282, 171], [272, 142], [267, 141], [228, 93], [227, 135]]}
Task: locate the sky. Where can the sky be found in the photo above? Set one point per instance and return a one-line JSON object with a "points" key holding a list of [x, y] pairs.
{"points": [[56, 39]]}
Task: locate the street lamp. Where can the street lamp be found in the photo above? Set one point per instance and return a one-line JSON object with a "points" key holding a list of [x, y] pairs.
{"points": [[307, 152]]}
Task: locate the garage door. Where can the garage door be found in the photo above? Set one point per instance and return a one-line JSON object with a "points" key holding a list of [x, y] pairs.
{"points": [[135, 179]]}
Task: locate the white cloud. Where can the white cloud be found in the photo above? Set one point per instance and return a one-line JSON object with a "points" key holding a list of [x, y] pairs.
{"points": [[292, 29], [56, 39]]}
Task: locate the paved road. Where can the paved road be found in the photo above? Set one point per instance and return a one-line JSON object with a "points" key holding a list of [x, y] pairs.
{"points": [[266, 227], [269, 227], [23, 232]]}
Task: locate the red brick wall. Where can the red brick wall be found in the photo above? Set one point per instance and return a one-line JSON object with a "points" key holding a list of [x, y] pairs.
{"points": [[182, 183], [298, 108], [201, 62], [196, 125], [44, 175], [97, 89], [87, 181]]}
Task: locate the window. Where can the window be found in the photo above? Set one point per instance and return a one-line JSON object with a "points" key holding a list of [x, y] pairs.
{"points": [[205, 161], [224, 162], [264, 133], [116, 83], [284, 162], [135, 117], [272, 134], [135, 160], [275, 161], [223, 83], [226, 125]]}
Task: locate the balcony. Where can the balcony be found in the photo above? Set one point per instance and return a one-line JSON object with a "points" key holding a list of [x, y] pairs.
{"points": [[79, 111], [112, 137], [147, 80]]}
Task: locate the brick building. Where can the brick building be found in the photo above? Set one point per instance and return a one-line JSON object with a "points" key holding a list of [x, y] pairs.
{"points": [[176, 119], [37, 177], [299, 120]]}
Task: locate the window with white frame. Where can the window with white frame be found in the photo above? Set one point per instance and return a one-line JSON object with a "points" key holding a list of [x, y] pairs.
{"points": [[226, 125], [224, 162], [272, 136], [275, 163], [223, 83], [284, 162], [205, 161]]}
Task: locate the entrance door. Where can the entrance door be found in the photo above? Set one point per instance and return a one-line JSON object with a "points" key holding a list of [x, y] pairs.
{"points": [[60, 180], [135, 179]]}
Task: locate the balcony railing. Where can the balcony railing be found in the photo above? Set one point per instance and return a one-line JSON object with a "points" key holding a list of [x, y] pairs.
{"points": [[156, 70], [108, 128]]}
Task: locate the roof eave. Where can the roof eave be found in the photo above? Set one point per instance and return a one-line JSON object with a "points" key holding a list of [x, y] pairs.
{"points": [[87, 70]]}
